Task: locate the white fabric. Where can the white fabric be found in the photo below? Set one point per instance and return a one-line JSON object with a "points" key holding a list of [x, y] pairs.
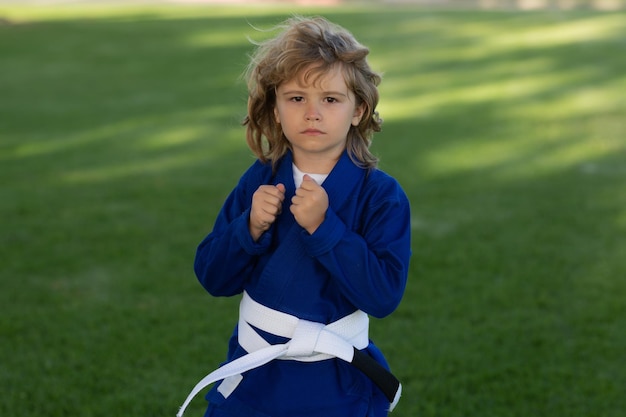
{"points": [[299, 175], [310, 341], [228, 385]]}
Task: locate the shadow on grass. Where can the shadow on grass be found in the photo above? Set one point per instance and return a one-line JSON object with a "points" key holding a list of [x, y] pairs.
{"points": [[120, 139]]}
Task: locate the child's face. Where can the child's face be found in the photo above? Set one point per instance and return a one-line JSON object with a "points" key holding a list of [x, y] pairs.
{"points": [[316, 117]]}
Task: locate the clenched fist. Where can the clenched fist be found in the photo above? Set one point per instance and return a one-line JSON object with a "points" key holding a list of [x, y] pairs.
{"points": [[267, 202], [309, 205]]}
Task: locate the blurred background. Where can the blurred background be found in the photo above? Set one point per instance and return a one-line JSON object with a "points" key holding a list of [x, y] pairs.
{"points": [[120, 137]]}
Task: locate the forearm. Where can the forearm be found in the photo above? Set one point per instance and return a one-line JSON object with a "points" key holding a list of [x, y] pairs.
{"points": [[371, 273], [226, 257]]}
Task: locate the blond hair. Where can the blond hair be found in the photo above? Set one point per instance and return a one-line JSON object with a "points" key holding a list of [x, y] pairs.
{"points": [[303, 42]]}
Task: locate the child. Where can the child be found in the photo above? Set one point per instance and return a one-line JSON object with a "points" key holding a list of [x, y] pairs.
{"points": [[314, 236]]}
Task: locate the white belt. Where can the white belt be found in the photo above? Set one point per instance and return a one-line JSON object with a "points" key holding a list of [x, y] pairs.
{"points": [[310, 341]]}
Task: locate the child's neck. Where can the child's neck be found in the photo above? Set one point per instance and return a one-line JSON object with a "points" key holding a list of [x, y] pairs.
{"points": [[314, 165]]}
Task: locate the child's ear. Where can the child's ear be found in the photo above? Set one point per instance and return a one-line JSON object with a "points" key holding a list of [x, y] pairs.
{"points": [[276, 115], [358, 114]]}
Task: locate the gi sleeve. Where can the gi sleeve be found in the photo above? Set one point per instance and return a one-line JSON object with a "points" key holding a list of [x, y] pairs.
{"points": [[226, 257], [370, 265]]}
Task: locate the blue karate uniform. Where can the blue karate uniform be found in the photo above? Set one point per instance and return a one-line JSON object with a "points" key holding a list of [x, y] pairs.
{"points": [[358, 258]]}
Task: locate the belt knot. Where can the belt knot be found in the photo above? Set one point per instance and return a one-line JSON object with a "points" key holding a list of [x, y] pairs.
{"points": [[305, 338]]}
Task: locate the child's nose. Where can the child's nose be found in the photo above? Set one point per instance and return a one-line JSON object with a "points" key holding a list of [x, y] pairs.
{"points": [[312, 114]]}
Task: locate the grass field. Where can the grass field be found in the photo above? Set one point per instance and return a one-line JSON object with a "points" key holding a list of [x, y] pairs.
{"points": [[120, 138]]}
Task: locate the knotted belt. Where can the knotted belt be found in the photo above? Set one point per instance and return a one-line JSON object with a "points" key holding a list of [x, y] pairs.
{"points": [[309, 341]]}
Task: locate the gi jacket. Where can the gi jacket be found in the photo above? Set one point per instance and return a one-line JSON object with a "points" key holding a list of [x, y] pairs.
{"points": [[358, 258]]}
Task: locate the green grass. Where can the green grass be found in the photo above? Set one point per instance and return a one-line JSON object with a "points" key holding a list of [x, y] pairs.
{"points": [[120, 138]]}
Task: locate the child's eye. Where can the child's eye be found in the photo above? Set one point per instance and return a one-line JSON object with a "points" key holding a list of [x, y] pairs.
{"points": [[297, 99], [331, 100]]}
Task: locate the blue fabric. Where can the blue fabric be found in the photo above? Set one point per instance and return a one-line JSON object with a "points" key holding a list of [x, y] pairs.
{"points": [[357, 259]]}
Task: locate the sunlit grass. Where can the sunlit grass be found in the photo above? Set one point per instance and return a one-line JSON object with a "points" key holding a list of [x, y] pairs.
{"points": [[566, 32], [209, 38], [517, 89], [529, 102]]}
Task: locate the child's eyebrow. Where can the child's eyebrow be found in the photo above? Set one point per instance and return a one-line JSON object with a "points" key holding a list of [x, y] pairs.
{"points": [[335, 93], [325, 93]]}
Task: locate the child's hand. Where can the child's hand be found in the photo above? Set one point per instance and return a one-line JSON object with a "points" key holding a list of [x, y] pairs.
{"points": [[309, 205], [267, 202]]}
